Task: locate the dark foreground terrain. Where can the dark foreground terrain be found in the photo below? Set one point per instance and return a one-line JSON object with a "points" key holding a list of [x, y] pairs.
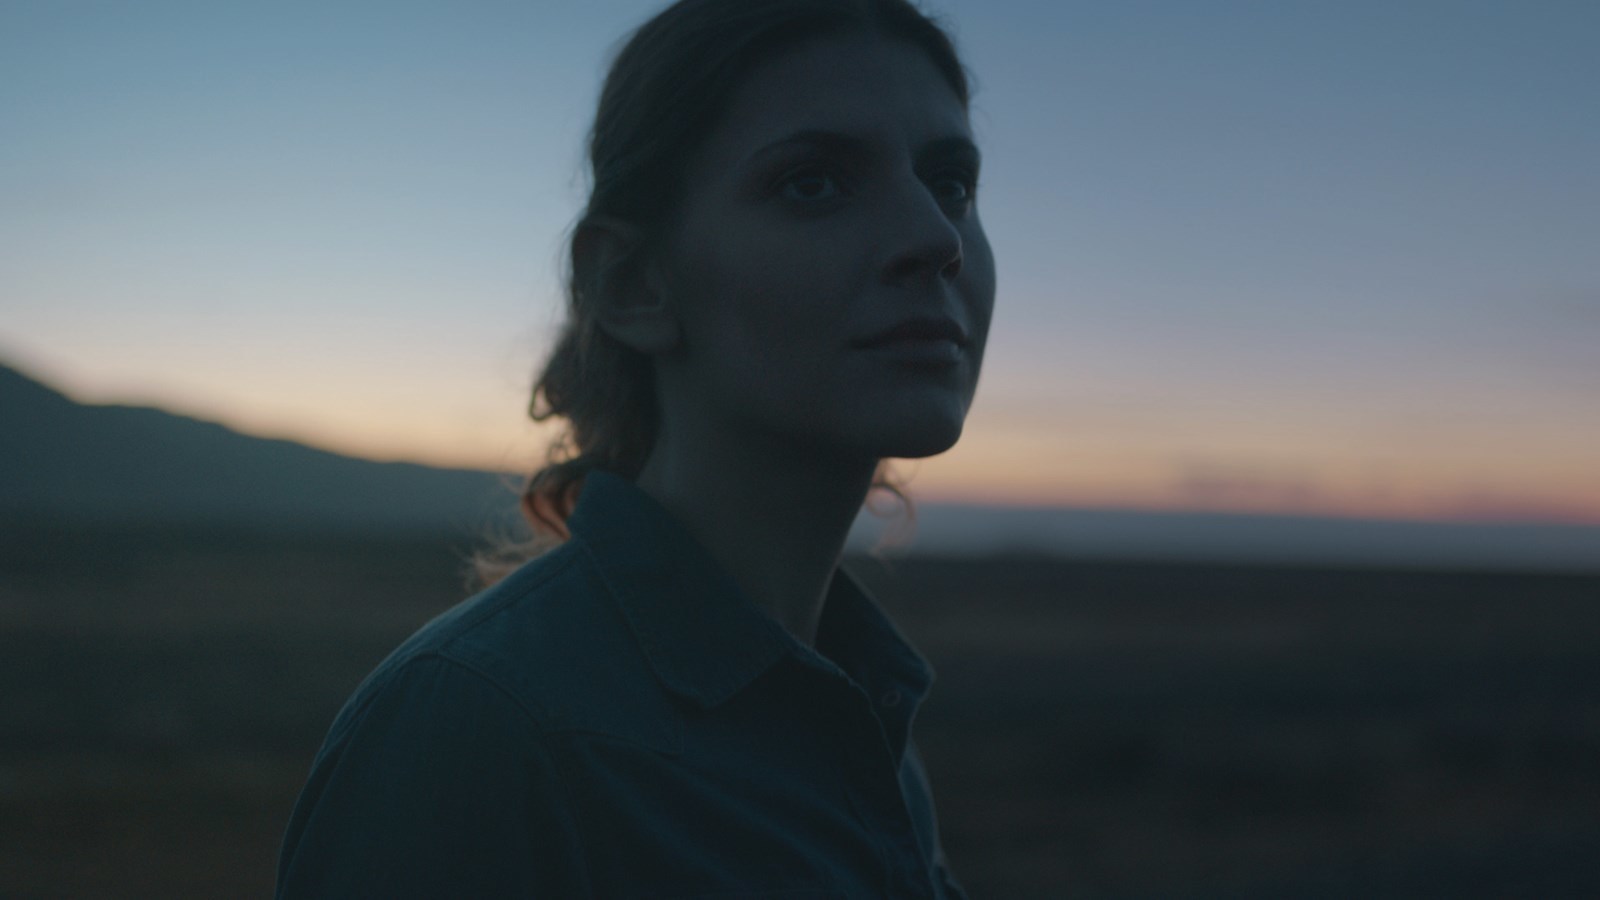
{"points": [[1098, 729]]}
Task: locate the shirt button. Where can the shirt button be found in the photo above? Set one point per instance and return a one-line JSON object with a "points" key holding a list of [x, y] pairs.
{"points": [[890, 699]]}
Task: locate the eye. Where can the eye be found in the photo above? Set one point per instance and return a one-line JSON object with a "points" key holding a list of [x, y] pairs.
{"points": [[809, 184], [954, 187]]}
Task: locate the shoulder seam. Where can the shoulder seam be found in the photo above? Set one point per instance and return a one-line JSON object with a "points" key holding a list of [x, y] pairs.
{"points": [[580, 555], [383, 676], [540, 726], [496, 683]]}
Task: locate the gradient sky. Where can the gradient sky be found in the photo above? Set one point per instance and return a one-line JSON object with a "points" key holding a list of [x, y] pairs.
{"points": [[1337, 257]]}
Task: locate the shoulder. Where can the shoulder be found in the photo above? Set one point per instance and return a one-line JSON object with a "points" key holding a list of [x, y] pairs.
{"points": [[548, 643], [434, 782]]}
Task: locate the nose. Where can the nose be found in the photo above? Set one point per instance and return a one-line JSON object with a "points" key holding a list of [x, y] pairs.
{"points": [[925, 243]]}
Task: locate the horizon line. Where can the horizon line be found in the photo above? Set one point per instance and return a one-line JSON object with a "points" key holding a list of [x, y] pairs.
{"points": [[1557, 518]]}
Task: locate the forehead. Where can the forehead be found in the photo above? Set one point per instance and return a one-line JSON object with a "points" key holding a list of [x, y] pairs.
{"points": [[880, 89]]}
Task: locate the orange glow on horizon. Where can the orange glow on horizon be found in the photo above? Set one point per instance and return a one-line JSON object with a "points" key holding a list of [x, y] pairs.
{"points": [[1031, 477], [1278, 466]]}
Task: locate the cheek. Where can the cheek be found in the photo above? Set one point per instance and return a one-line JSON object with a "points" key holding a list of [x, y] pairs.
{"points": [[769, 304]]}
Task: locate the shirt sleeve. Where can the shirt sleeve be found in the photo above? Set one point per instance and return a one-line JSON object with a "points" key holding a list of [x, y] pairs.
{"points": [[438, 786]]}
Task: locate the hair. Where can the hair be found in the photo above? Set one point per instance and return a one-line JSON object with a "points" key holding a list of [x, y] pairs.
{"points": [[664, 92]]}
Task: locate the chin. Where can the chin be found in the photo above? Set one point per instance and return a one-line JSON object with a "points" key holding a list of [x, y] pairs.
{"points": [[911, 427], [928, 439], [904, 430]]}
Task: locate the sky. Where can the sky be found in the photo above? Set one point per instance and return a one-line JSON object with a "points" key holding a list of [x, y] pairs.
{"points": [[1287, 257]]}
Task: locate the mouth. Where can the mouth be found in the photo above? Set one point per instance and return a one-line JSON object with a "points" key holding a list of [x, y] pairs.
{"points": [[918, 330], [918, 351]]}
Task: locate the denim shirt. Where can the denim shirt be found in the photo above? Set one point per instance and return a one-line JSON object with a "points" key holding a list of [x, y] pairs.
{"points": [[614, 720]]}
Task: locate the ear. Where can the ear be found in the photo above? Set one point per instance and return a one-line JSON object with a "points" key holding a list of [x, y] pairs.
{"points": [[624, 291]]}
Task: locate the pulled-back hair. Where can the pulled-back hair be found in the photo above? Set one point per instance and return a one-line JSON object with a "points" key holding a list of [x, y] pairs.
{"points": [[664, 92]]}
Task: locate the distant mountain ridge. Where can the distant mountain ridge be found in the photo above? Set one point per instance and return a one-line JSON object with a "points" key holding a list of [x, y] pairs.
{"points": [[113, 464]]}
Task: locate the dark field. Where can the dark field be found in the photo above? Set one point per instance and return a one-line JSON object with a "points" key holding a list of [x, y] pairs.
{"points": [[1098, 730]]}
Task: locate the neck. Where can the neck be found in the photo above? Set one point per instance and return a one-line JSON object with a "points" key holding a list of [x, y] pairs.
{"points": [[775, 520]]}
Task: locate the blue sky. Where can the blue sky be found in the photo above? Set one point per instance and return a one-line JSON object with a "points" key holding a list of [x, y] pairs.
{"points": [[1289, 257]]}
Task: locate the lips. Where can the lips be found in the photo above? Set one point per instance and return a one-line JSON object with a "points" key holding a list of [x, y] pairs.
{"points": [[921, 328]]}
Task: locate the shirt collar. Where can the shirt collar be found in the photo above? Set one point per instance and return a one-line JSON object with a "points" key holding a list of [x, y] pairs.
{"points": [[703, 638], [855, 633]]}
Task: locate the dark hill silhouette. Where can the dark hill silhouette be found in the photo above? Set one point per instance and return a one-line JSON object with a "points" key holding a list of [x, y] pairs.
{"points": [[107, 464]]}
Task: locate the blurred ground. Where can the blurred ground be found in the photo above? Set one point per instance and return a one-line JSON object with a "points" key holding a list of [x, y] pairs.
{"points": [[1097, 729]]}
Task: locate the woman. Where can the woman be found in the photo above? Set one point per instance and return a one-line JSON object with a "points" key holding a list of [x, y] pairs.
{"points": [[780, 281]]}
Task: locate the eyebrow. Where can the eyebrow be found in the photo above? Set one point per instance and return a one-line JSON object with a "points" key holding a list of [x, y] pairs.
{"points": [[847, 144]]}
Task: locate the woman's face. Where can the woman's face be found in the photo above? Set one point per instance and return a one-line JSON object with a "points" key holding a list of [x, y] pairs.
{"points": [[833, 201]]}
